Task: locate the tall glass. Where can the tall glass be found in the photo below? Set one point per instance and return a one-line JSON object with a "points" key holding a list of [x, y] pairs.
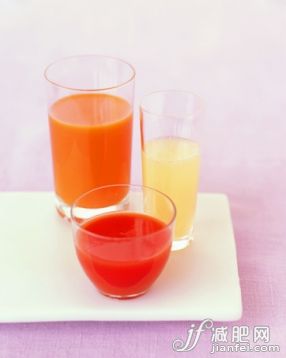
{"points": [[171, 155], [90, 107]]}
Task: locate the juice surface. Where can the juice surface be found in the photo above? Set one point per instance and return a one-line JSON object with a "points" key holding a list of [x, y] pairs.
{"points": [[127, 256], [91, 143], [171, 165]]}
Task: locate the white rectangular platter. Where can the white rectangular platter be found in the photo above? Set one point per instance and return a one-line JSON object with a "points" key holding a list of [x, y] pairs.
{"points": [[41, 279]]}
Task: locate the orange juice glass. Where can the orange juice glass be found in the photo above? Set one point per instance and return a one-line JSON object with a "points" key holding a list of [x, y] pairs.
{"points": [[90, 108]]}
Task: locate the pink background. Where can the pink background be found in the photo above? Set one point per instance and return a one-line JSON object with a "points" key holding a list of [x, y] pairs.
{"points": [[232, 53]]}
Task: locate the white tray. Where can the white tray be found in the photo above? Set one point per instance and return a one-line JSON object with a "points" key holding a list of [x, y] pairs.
{"points": [[41, 280]]}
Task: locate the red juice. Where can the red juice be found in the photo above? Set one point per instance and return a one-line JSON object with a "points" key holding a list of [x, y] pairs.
{"points": [[123, 253]]}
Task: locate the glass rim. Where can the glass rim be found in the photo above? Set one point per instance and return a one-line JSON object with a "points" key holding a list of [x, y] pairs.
{"points": [[62, 59], [191, 115], [104, 237]]}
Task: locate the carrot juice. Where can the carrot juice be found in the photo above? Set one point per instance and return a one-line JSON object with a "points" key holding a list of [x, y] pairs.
{"points": [[91, 138]]}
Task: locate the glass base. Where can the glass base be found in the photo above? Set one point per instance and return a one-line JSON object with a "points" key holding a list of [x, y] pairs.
{"points": [[181, 243], [123, 297], [63, 209]]}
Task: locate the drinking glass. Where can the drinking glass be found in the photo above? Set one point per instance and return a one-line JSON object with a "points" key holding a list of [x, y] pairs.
{"points": [[121, 244], [171, 155], [90, 108]]}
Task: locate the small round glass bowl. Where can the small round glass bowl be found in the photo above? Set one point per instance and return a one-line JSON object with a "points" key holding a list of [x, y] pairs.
{"points": [[123, 237]]}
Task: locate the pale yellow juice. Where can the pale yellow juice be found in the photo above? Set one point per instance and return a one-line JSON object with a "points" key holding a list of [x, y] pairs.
{"points": [[171, 165]]}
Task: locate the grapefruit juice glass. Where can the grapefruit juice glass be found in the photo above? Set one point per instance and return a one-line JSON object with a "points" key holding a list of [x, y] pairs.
{"points": [[90, 101], [121, 244], [171, 154]]}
